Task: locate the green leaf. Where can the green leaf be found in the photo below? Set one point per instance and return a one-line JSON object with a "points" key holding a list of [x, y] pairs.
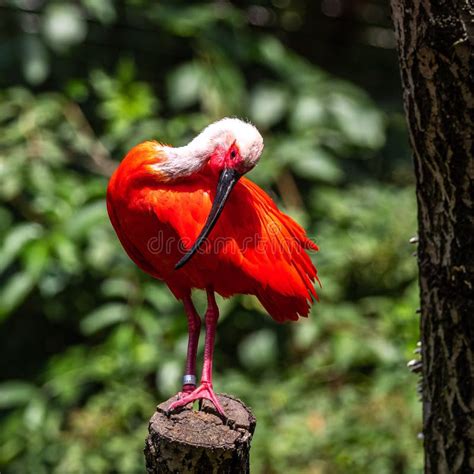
{"points": [[104, 11], [359, 120], [308, 112], [168, 377], [268, 104], [317, 164], [184, 85], [16, 393], [16, 240], [259, 349], [36, 258], [159, 297], [117, 287], [86, 218], [35, 412], [107, 315], [34, 60], [14, 292], [63, 25], [66, 251]]}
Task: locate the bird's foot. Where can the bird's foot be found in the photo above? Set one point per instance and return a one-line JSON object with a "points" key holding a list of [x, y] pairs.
{"points": [[204, 391]]}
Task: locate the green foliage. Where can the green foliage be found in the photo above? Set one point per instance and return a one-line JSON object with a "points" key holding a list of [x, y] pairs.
{"points": [[91, 344]]}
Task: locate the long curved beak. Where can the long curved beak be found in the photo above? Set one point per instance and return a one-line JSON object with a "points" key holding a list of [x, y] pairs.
{"points": [[227, 181]]}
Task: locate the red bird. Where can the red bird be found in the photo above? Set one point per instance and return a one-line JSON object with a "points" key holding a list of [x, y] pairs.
{"points": [[187, 216]]}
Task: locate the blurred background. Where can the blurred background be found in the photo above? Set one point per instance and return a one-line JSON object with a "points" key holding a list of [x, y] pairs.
{"points": [[89, 344]]}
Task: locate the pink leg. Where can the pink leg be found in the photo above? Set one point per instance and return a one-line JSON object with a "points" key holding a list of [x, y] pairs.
{"points": [[205, 390], [194, 328]]}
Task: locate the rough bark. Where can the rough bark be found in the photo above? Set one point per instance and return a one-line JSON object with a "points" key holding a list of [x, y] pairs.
{"points": [[200, 442], [436, 44]]}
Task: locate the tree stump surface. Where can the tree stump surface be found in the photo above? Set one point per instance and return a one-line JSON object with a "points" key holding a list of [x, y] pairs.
{"points": [[202, 442]]}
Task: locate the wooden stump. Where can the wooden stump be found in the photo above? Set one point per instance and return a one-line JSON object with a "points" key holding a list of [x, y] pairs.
{"points": [[201, 442]]}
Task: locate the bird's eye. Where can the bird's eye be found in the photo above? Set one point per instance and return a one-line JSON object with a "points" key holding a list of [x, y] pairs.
{"points": [[232, 154]]}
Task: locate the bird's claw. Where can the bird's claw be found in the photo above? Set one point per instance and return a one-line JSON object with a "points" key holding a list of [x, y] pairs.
{"points": [[204, 391]]}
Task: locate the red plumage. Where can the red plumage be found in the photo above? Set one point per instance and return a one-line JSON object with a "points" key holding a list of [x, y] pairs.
{"points": [[253, 249]]}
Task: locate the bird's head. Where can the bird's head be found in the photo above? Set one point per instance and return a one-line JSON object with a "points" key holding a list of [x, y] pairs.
{"points": [[233, 148], [235, 145]]}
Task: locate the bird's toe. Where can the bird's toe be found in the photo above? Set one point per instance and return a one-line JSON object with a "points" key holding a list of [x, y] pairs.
{"points": [[204, 391]]}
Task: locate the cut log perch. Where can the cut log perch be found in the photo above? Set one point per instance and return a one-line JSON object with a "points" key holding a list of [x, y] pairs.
{"points": [[189, 441]]}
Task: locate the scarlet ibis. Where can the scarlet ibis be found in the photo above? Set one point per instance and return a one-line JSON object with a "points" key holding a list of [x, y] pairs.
{"points": [[187, 216]]}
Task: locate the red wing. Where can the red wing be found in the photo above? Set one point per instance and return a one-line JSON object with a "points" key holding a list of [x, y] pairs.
{"points": [[284, 269]]}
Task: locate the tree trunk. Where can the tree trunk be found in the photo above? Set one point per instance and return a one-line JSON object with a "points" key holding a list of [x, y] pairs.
{"points": [[200, 442], [436, 44]]}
